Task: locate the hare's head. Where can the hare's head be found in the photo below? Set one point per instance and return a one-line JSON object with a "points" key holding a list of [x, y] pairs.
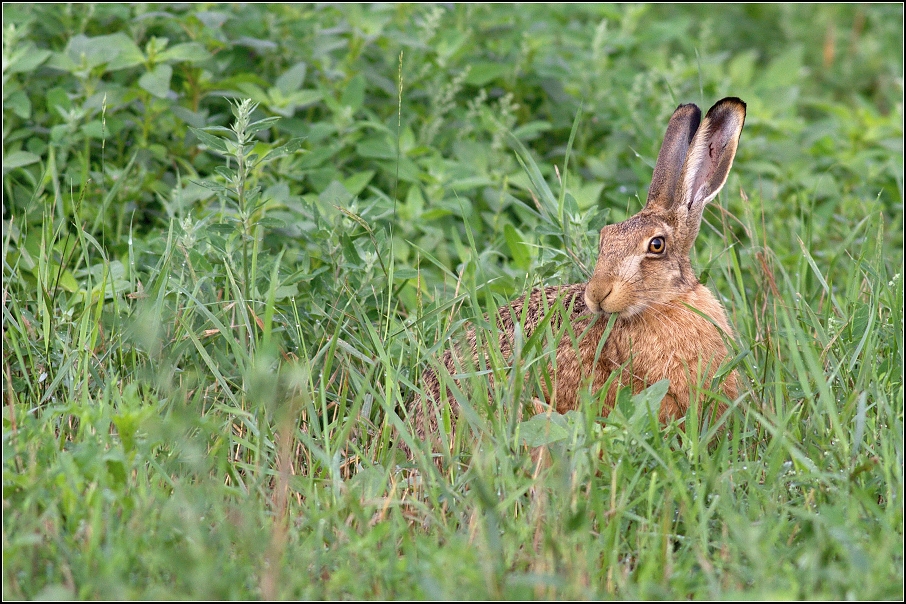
{"points": [[644, 261]]}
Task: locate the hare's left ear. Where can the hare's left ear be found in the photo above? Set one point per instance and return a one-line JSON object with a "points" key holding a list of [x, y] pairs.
{"points": [[707, 164]]}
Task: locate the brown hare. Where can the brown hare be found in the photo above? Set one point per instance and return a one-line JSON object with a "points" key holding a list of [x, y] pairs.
{"points": [[667, 325]]}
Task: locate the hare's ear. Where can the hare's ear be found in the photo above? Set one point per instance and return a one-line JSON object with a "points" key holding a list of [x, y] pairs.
{"points": [[683, 124], [707, 164]]}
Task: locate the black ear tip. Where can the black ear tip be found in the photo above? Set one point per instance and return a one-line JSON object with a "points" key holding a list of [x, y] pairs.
{"points": [[729, 102], [689, 114], [690, 108]]}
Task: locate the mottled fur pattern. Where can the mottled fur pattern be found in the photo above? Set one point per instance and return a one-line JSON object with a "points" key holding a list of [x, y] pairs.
{"points": [[668, 325]]}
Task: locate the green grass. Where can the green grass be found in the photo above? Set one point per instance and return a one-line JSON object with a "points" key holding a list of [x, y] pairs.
{"points": [[208, 347]]}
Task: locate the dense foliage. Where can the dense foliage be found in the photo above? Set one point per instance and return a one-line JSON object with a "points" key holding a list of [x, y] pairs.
{"points": [[234, 236]]}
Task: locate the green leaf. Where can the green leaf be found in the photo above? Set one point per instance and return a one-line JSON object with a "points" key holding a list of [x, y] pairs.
{"points": [[228, 174], [286, 291], [191, 52], [270, 222], [570, 205], [208, 184], [401, 274], [117, 51], [287, 149], [61, 61], [483, 73], [531, 130], [262, 124], [57, 97], [94, 129], [380, 147], [116, 467], [124, 52], [335, 194], [303, 98], [647, 403], [191, 118], [209, 140], [26, 59], [354, 93], [253, 91], [358, 181], [350, 252], [68, 281], [19, 103], [587, 195], [292, 79], [286, 106], [157, 81], [17, 159], [543, 429], [543, 191], [517, 246]]}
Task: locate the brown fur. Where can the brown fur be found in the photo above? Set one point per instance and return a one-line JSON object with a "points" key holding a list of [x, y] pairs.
{"points": [[651, 289]]}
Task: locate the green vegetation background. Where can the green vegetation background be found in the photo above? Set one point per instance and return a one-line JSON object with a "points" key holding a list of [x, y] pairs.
{"points": [[207, 347]]}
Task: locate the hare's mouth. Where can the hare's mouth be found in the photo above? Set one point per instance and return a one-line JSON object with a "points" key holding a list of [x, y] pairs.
{"points": [[633, 310]]}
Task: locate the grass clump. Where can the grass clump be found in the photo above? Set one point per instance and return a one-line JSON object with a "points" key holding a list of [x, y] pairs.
{"points": [[213, 318]]}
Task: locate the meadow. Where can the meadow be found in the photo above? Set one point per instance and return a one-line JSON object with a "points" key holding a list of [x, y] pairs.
{"points": [[236, 236]]}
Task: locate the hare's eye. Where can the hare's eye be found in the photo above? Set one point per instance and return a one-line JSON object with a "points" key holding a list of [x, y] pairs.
{"points": [[657, 245]]}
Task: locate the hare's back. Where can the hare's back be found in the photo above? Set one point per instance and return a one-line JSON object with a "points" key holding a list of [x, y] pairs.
{"points": [[562, 302]]}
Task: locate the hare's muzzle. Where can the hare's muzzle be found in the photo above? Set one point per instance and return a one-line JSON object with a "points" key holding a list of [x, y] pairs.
{"points": [[613, 295], [596, 294]]}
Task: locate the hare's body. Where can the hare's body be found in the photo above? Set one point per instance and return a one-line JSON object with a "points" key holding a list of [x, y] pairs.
{"points": [[668, 325], [676, 343]]}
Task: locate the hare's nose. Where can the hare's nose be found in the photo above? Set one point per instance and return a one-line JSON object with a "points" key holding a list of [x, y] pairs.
{"points": [[595, 295]]}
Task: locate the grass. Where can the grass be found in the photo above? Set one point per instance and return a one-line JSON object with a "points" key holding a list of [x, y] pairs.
{"points": [[213, 319]]}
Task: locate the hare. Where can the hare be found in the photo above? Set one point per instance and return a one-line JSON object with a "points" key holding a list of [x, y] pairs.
{"points": [[667, 325]]}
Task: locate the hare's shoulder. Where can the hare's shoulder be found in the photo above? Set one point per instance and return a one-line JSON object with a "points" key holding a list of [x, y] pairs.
{"points": [[701, 299]]}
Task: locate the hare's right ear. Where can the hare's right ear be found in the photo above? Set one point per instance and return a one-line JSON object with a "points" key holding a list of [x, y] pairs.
{"points": [[707, 165], [682, 127]]}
